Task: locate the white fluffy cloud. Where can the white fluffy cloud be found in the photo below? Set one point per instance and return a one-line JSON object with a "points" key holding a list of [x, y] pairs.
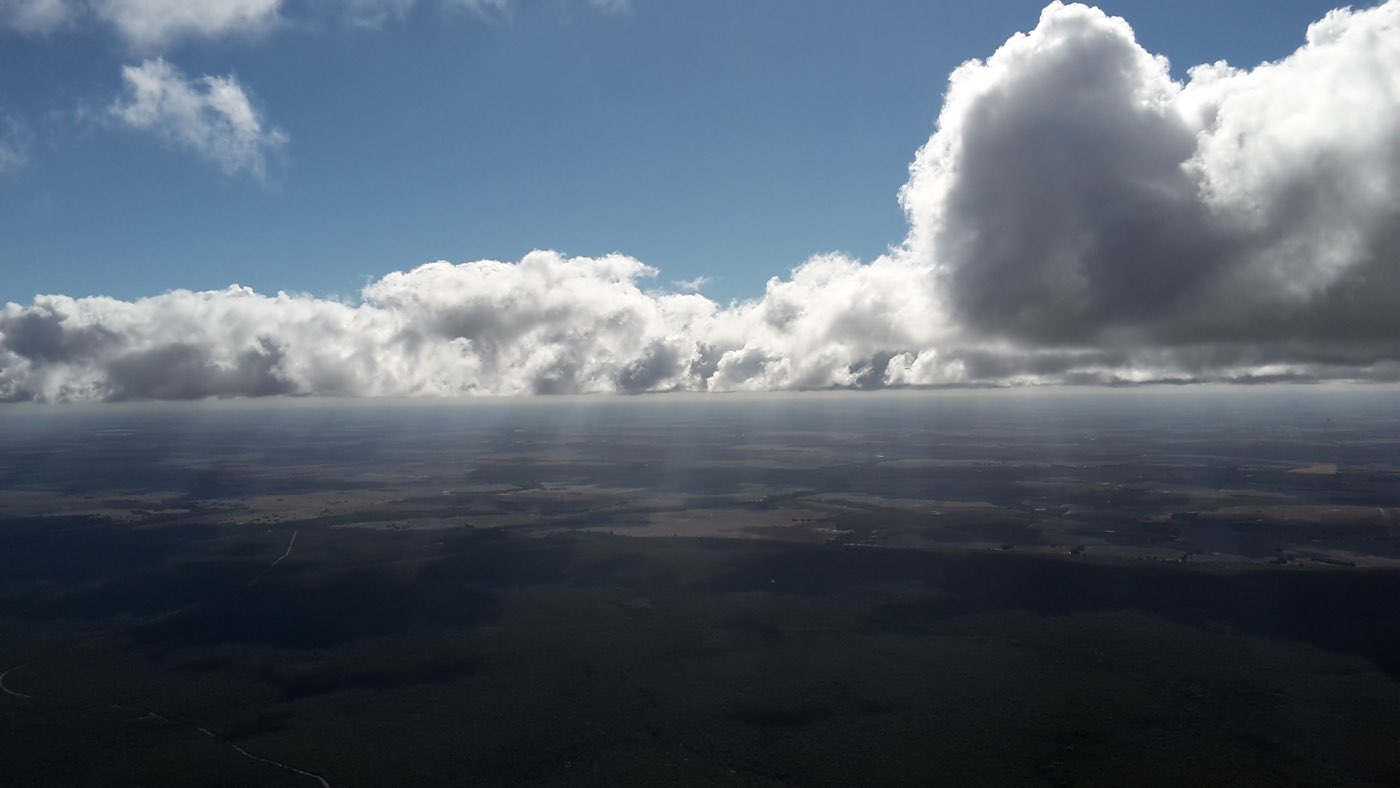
{"points": [[151, 24], [145, 24], [14, 145], [212, 116], [12, 157], [37, 16], [368, 13], [611, 6], [1078, 216], [479, 6]]}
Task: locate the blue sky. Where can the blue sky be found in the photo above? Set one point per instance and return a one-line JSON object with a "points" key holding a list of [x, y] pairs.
{"points": [[729, 139]]}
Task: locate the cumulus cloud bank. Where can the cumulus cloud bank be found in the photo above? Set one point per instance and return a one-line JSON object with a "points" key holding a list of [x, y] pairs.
{"points": [[1078, 216], [212, 116]]}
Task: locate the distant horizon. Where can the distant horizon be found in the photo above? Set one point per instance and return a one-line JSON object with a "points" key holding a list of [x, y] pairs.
{"points": [[661, 399]]}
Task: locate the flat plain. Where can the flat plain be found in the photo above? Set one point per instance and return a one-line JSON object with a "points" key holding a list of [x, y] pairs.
{"points": [[1083, 587]]}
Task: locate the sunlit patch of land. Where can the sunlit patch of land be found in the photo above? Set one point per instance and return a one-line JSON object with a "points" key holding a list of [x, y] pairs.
{"points": [[1317, 469], [1093, 511]]}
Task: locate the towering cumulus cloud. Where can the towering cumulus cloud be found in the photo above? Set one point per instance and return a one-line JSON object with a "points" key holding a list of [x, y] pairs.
{"points": [[1075, 196], [1078, 216]]}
